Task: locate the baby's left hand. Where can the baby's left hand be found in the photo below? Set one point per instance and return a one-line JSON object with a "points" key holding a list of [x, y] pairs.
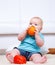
{"points": [[36, 32]]}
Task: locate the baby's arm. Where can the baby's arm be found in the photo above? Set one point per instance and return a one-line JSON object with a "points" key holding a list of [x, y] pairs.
{"points": [[39, 40], [22, 35]]}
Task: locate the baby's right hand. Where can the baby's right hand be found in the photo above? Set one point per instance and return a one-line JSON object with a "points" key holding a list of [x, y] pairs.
{"points": [[28, 28]]}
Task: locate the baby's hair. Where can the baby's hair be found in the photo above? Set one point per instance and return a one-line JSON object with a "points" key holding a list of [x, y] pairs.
{"points": [[38, 18]]}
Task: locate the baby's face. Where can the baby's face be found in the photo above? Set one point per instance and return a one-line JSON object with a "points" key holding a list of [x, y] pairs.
{"points": [[36, 22]]}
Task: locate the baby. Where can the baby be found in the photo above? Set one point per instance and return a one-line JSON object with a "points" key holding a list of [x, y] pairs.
{"points": [[30, 45]]}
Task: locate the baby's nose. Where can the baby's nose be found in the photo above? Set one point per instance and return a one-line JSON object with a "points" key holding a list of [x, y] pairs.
{"points": [[33, 25]]}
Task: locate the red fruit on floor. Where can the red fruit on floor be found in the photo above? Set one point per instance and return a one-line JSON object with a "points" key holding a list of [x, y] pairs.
{"points": [[19, 59]]}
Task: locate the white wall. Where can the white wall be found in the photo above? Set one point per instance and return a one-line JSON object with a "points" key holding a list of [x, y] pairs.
{"points": [[15, 16], [9, 11], [49, 40], [43, 8]]}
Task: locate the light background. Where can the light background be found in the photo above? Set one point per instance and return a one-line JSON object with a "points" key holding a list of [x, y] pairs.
{"points": [[15, 16]]}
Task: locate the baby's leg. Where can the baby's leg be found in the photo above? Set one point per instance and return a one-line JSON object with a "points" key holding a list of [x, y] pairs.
{"points": [[37, 58], [10, 55]]}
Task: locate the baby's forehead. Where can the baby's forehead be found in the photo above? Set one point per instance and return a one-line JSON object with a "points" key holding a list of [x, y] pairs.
{"points": [[35, 20]]}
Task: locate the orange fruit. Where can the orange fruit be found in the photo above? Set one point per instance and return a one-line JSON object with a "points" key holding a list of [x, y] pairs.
{"points": [[31, 31]]}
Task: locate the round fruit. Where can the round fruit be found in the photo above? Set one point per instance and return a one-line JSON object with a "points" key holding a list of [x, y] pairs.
{"points": [[31, 30], [19, 59]]}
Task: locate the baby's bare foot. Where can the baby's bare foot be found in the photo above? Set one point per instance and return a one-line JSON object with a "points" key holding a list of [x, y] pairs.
{"points": [[42, 59], [9, 57]]}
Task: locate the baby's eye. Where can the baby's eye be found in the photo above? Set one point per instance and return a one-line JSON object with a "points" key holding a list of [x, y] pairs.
{"points": [[30, 23], [35, 24]]}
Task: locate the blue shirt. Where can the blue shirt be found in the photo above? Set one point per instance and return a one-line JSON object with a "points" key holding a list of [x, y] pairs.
{"points": [[29, 44]]}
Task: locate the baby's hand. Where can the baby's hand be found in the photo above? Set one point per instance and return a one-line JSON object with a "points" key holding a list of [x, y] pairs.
{"points": [[36, 31], [28, 28]]}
